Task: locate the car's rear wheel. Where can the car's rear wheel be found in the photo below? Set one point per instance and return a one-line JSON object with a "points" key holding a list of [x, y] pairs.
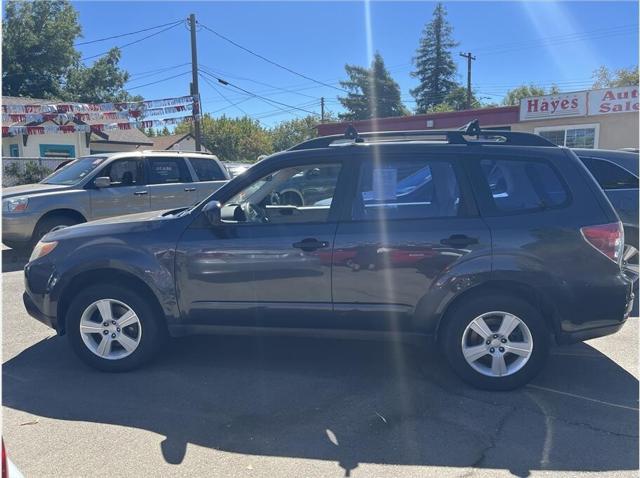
{"points": [[495, 342], [113, 329]]}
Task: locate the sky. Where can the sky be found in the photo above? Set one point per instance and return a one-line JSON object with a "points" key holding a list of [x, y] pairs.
{"points": [[543, 43]]}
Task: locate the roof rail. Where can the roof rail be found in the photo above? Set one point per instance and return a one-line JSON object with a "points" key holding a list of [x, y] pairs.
{"points": [[174, 151], [464, 135]]}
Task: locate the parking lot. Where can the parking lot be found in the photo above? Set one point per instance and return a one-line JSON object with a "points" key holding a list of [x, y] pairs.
{"points": [[305, 406]]}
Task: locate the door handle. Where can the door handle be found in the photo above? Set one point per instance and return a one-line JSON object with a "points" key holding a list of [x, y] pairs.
{"points": [[140, 193], [309, 245], [459, 240], [189, 190]]}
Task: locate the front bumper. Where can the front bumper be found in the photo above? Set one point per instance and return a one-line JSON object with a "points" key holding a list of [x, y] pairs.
{"points": [[34, 311], [18, 227]]}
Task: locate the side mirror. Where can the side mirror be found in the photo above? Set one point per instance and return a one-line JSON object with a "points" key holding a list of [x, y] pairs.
{"points": [[212, 211], [102, 182]]}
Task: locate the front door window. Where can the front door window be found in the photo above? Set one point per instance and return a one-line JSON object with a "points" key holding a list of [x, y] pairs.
{"points": [[297, 194]]}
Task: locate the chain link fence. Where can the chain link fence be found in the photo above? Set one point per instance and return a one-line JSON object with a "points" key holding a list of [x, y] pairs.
{"points": [[16, 171]]}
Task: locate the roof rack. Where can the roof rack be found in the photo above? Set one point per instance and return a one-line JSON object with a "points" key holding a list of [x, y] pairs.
{"points": [[174, 151], [470, 134]]}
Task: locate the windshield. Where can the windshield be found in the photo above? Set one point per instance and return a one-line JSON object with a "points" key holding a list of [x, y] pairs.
{"points": [[74, 171]]}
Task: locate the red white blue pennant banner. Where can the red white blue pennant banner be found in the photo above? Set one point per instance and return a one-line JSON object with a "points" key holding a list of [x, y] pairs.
{"points": [[93, 128], [94, 115], [104, 107]]}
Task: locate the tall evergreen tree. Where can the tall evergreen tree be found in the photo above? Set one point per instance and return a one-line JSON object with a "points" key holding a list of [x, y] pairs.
{"points": [[435, 67], [372, 92]]}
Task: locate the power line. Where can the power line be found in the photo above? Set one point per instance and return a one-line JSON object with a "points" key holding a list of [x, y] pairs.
{"points": [[284, 90], [217, 90], [159, 81], [133, 42], [268, 60], [228, 83], [146, 74], [127, 34]]}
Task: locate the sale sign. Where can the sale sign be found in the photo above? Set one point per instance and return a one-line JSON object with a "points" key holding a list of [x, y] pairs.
{"points": [[553, 106], [614, 100]]}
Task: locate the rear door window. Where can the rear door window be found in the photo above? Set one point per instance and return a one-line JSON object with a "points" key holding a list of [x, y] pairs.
{"points": [[406, 189], [523, 185], [610, 175], [207, 169], [168, 170]]}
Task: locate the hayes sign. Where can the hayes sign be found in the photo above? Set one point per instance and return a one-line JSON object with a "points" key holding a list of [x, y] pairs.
{"points": [[614, 100], [553, 106]]}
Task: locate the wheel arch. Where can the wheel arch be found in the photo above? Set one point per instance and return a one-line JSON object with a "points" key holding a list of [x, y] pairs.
{"points": [[67, 212], [116, 277], [526, 292]]}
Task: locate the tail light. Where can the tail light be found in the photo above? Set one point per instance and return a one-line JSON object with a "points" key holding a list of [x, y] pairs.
{"points": [[606, 238]]}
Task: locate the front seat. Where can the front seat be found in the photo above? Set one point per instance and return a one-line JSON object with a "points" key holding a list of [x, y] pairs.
{"points": [[127, 179]]}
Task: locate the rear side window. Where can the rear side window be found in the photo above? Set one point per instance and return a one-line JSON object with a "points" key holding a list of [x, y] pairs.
{"points": [[609, 175], [406, 189], [518, 186], [168, 170], [207, 169]]}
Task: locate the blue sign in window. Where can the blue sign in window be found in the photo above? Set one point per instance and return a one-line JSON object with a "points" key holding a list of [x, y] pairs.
{"points": [[14, 151]]}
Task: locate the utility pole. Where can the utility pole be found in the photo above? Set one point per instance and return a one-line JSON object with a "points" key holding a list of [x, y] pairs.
{"points": [[469, 57], [195, 92], [322, 109]]}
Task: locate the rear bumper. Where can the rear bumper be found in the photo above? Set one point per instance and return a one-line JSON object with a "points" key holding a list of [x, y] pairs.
{"points": [[599, 328]]}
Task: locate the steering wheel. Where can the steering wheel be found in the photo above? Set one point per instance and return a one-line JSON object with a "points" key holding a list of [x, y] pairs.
{"points": [[254, 213], [274, 198]]}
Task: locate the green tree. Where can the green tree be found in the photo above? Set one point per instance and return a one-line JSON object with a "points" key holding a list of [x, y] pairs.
{"points": [[435, 68], [37, 47], [513, 97], [165, 132], [150, 132], [372, 92], [232, 139], [604, 78], [100, 83], [39, 59], [289, 133], [456, 100]]}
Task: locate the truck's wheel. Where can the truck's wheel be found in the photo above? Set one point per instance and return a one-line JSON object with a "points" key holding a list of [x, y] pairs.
{"points": [[495, 342]]}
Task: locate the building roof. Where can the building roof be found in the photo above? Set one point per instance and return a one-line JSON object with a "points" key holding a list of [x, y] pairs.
{"points": [[167, 141], [498, 116], [122, 136]]}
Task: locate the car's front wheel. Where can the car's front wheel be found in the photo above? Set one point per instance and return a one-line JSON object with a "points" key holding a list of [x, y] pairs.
{"points": [[113, 328], [495, 342]]}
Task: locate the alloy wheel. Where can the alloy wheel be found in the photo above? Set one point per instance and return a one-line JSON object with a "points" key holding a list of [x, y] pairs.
{"points": [[497, 344], [110, 329]]}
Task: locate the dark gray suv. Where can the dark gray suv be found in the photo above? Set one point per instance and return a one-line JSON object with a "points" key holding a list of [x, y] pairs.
{"points": [[496, 243]]}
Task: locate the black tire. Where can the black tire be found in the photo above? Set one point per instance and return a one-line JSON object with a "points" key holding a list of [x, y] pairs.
{"points": [[20, 247], [462, 314], [47, 224], [153, 335]]}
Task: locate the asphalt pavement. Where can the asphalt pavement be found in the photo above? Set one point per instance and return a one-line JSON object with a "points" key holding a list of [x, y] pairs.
{"points": [[248, 406]]}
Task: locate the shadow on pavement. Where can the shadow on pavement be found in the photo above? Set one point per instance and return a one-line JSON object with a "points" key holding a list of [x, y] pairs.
{"points": [[346, 401], [14, 260]]}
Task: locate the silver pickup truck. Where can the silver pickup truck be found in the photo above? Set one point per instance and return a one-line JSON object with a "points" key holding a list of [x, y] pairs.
{"points": [[103, 185]]}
